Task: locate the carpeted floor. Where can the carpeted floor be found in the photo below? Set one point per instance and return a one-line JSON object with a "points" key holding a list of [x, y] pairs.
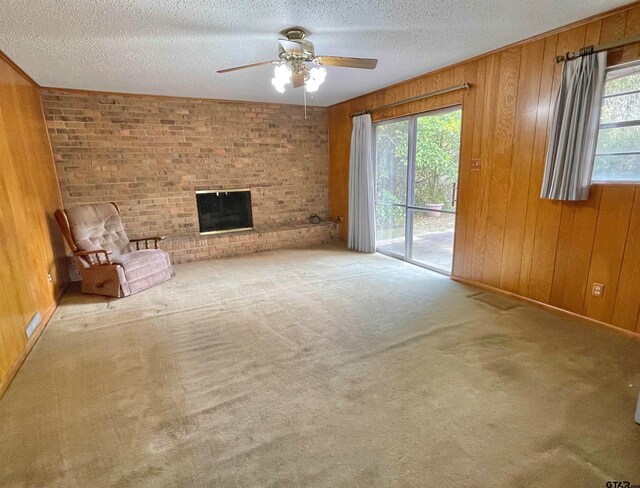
{"points": [[319, 368]]}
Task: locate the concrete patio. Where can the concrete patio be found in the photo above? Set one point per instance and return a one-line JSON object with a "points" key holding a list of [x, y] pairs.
{"points": [[433, 249]]}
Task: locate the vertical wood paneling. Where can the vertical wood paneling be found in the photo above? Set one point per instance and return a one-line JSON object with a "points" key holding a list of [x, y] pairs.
{"points": [[506, 236], [501, 163], [30, 244], [632, 29], [627, 301], [524, 133], [608, 249], [543, 113], [15, 299], [563, 249], [490, 115], [464, 179], [614, 27], [580, 250], [339, 144], [475, 176]]}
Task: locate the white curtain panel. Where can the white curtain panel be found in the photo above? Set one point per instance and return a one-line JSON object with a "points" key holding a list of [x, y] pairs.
{"points": [[573, 133], [362, 228]]}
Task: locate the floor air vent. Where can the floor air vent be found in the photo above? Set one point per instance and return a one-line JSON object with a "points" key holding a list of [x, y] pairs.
{"points": [[495, 301], [33, 324]]}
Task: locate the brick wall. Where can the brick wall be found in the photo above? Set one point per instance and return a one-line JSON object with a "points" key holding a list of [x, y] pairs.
{"points": [[150, 155]]}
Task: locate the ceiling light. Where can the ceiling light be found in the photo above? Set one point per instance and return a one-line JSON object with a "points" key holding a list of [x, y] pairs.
{"points": [[281, 76], [315, 79]]}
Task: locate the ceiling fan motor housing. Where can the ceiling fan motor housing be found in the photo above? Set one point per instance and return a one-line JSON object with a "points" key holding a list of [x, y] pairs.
{"points": [[305, 51]]}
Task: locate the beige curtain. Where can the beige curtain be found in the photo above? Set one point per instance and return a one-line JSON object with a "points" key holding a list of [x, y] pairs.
{"points": [[573, 132]]}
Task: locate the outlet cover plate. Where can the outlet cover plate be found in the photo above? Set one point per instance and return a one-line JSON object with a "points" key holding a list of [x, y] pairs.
{"points": [[598, 290]]}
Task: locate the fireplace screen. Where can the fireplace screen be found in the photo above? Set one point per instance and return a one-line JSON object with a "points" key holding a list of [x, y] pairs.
{"points": [[224, 211]]}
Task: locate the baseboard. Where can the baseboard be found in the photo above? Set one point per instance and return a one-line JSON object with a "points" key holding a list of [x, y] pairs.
{"points": [[550, 308], [15, 367]]}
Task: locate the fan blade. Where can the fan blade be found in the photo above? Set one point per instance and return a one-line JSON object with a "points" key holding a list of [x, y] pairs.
{"points": [[246, 66], [291, 46], [365, 63], [297, 79]]}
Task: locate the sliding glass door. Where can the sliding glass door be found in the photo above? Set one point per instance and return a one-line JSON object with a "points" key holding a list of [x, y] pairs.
{"points": [[416, 187], [391, 150]]}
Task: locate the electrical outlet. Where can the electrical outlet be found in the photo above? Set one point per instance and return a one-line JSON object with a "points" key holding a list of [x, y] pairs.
{"points": [[49, 277], [475, 165], [598, 290]]}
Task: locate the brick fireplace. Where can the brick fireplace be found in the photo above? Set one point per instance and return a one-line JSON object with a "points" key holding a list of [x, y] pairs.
{"points": [[152, 154]]}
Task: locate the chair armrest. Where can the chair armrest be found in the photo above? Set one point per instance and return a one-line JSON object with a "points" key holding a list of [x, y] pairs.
{"points": [[146, 240], [90, 255]]}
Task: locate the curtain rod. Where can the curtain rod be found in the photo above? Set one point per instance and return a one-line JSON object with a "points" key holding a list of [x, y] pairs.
{"points": [[596, 49], [465, 86]]}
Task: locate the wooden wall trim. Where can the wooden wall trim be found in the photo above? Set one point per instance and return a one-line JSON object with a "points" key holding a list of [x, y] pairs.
{"points": [[549, 308], [17, 68], [55, 168]]}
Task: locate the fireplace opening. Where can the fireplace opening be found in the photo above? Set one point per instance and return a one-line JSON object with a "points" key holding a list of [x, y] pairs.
{"points": [[224, 210]]}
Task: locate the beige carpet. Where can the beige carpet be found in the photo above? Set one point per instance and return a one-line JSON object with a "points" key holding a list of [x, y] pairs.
{"points": [[319, 368]]}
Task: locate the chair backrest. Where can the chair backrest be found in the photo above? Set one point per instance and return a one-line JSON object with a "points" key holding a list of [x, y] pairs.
{"points": [[96, 226]]}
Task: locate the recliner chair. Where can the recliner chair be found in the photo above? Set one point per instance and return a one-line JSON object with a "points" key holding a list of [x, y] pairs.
{"points": [[108, 261]]}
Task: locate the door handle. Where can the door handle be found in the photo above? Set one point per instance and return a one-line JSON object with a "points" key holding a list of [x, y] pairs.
{"points": [[454, 195]]}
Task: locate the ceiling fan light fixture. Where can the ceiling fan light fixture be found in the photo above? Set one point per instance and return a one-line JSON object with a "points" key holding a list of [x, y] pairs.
{"points": [[295, 54], [316, 78], [281, 76], [277, 85]]}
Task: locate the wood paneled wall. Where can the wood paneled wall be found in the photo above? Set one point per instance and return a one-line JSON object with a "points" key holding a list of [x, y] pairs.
{"points": [[30, 244], [507, 237]]}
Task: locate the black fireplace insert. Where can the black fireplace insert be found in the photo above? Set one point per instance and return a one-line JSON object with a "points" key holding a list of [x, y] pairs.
{"points": [[224, 210]]}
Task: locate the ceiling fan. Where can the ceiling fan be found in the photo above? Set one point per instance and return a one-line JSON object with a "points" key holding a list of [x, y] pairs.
{"points": [[295, 52]]}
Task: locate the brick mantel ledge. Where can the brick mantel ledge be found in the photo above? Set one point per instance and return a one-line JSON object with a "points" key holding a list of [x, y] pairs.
{"points": [[195, 247]]}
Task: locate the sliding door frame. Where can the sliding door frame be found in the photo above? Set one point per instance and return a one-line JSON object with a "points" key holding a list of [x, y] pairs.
{"points": [[409, 204]]}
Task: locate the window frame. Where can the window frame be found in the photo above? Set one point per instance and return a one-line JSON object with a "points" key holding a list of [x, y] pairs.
{"points": [[634, 67]]}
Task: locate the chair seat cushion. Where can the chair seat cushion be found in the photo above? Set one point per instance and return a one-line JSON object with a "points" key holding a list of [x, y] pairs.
{"points": [[145, 268], [98, 226]]}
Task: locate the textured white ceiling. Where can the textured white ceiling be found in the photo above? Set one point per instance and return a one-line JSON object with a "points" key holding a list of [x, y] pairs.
{"points": [[174, 47]]}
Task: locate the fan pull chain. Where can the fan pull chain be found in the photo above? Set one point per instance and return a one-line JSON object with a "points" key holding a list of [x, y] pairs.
{"points": [[304, 91]]}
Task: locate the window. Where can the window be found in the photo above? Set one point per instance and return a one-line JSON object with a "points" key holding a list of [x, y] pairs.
{"points": [[618, 151]]}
